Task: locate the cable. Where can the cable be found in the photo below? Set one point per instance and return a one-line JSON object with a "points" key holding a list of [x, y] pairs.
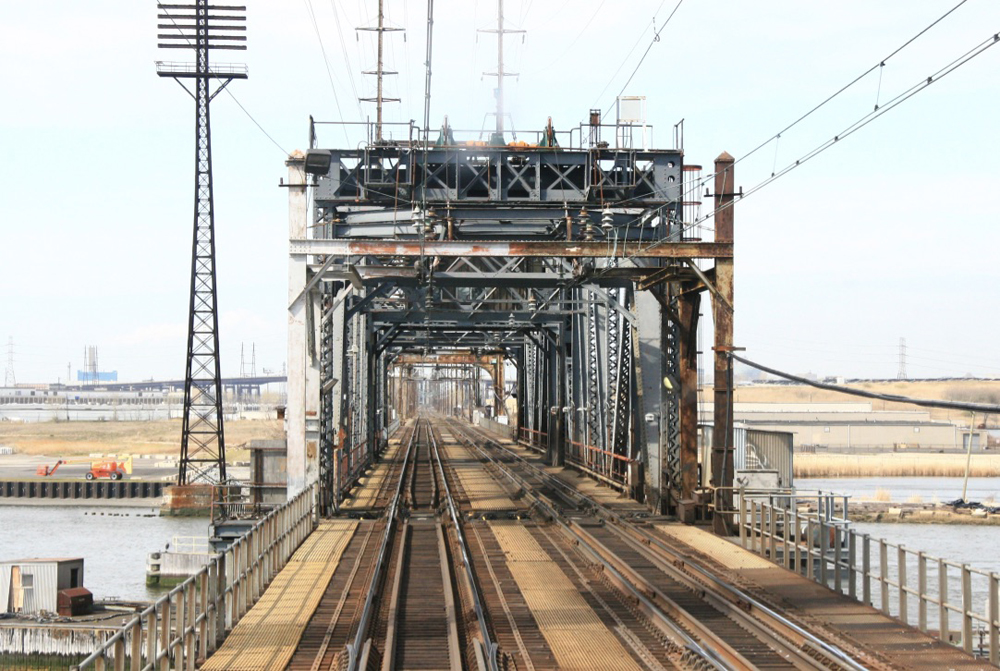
{"points": [[656, 38], [880, 65], [250, 116], [925, 402], [638, 41], [326, 62], [863, 121], [552, 62], [347, 60]]}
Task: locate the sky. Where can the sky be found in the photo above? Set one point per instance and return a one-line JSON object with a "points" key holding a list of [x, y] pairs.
{"points": [[892, 233]]}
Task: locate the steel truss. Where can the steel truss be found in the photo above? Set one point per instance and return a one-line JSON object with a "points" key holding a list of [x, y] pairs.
{"points": [[537, 257]]}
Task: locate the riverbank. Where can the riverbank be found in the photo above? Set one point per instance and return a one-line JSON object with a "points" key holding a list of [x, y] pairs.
{"points": [[920, 513], [67, 439], [895, 464]]}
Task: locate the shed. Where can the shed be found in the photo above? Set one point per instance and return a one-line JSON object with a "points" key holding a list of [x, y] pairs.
{"points": [[32, 585]]}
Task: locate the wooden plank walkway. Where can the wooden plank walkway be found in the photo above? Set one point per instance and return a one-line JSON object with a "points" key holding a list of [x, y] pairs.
{"points": [[268, 634], [895, 643], [365, 493], [578, 638], [481, 488]]}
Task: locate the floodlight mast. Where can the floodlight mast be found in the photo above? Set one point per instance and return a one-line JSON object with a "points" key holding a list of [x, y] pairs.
{"points": [[191, 26]]}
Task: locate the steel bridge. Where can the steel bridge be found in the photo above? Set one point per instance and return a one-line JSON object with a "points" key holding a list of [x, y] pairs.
{"points": [[561, 258]]}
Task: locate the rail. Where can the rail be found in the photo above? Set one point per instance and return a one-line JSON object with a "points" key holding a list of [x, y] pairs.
{"points": [[824, 548], [191, 544], [190, 622], [489, 647], [352, 464], [356, 649], [735, 595]]}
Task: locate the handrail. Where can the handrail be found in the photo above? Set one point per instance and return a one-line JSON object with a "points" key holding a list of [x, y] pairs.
{"points": [[826, 551], [489, 647], [190, 621]]}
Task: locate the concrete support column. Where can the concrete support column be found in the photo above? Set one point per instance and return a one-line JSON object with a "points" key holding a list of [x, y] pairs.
{"points": [[722, 434], [302, 413]]}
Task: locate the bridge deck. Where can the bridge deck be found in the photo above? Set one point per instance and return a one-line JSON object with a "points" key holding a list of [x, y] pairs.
{"points": [[268, 634], [890, 641], [575, 634], [370, 484]]}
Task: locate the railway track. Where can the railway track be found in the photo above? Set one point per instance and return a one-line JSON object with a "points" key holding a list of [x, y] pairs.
{"points": [[479, 560], [733, 628]]}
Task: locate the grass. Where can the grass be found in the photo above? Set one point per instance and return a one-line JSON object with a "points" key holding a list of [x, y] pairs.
{"points": [[894, 465], [159, 437], [982, 392]]}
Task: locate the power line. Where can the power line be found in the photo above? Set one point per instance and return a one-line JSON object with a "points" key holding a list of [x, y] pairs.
{"points": [[9, 379], [656, 38], [860, 123], [326, 62], [347, 60], [880, 65], [250, 116]]}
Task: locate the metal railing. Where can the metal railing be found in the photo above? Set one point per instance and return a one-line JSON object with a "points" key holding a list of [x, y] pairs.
{"points": [[911, 586], [190, 622], [235, 69], [535, 439]]}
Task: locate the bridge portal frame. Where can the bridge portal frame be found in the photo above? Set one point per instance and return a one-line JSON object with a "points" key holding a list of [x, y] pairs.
{"points": [[599, 317]]}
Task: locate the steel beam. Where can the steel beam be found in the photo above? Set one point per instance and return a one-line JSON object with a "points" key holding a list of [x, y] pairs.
{"points": [[546, 249], [722, 435]]}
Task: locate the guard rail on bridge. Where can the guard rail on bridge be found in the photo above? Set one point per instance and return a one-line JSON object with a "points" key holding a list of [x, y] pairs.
{"points": [[190, 622], [912, 586]]}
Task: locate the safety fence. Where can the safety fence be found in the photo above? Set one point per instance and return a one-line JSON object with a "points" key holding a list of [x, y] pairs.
{"points": [[603, 464], [611, 468], [191, 621], [536, 439], [811, 535]]}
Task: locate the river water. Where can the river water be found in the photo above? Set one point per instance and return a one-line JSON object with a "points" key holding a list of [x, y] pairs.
{"points": [[901, 490], [114, 542]]}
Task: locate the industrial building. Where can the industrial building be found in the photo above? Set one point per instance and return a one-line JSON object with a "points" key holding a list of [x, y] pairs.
{"points": [[33, 585], [856, 426]]}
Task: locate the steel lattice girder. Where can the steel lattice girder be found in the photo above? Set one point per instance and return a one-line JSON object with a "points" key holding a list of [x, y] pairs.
{"points": [[392, 174]]}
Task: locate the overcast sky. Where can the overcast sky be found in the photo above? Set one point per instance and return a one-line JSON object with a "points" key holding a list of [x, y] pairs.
{"points": [[891, 233]]}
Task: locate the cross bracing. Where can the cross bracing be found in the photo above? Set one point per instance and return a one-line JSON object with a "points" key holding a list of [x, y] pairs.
{"points": [[570, 269]]}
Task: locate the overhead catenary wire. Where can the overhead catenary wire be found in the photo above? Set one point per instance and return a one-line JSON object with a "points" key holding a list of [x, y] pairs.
{"points": [[240, 105], [347, 60], [857, 125], [635, 45], [878, 65], [656, 38]]}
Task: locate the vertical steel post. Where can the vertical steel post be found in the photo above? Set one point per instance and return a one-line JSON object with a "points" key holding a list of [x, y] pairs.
{"points": [[722, 434], [688, 308]]}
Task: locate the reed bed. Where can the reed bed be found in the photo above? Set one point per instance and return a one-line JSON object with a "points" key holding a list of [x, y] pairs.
{"points": [[894, 465]]}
